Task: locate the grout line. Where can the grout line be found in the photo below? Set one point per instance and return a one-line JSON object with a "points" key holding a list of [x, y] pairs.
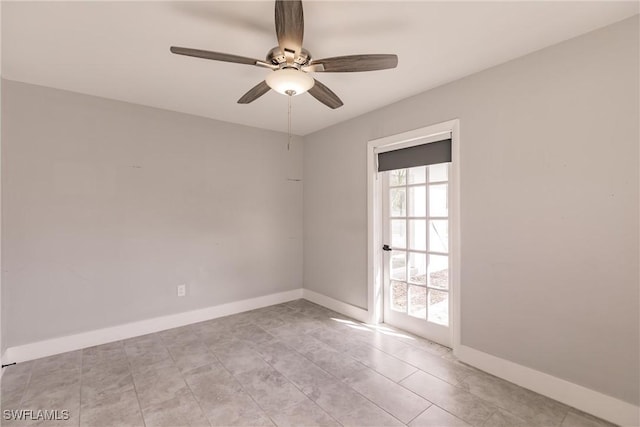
{"points": [[81, 379], [135, 388], [456, 416], [302, 355], [243, 389], [484, 423], [493, 406], [292, 382], [339, 380], [26, 385], [191, 390], [422, 412]]}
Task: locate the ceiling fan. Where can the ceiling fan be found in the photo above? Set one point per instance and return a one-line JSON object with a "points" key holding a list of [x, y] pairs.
{"points": [[290, 62]]}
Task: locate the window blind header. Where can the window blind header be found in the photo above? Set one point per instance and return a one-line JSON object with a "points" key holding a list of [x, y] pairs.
{"points": [[419, 155]]}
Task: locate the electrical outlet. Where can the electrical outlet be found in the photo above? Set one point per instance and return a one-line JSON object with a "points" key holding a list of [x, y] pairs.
{"points": [[182, 290]]}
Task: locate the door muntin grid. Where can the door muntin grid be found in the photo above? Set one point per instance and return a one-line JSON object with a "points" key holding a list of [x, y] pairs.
{"points": [[419, 232]]}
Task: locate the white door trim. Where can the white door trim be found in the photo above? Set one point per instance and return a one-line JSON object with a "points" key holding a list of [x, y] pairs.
{"points": [[374, 217]]}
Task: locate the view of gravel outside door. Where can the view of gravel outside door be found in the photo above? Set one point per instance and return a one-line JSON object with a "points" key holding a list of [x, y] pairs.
{"points": [[419, 224]]}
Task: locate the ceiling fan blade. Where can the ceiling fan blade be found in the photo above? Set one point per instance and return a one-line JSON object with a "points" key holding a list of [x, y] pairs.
{"points": [[289, 26], [354, 63], [217, 56], [325, 95], [254, 93]]}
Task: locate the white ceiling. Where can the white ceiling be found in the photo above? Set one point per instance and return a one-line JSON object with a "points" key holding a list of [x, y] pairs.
{"points": [[120, 49]]}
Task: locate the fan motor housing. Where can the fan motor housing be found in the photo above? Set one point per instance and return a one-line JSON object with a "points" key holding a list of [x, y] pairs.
{"points": [[276, 57]]}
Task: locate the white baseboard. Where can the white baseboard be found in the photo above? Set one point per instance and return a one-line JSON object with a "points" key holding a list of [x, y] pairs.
{"points": [[577, 396], [59, 345], [335, 305]]}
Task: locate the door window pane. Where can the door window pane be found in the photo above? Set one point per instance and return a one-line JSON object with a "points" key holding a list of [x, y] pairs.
{"points": [[439, 235], [417, 201], [439, 307], [438, 201], [417, 175], [439, 172], [418, 301], [418, 234], [397, 177], [399, 296], [439, 271], [398, 265], [398, 201], [418, 268], [398, 233]]}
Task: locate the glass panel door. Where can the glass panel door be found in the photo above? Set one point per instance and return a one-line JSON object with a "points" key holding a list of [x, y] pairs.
{"points": [[416, 229]]}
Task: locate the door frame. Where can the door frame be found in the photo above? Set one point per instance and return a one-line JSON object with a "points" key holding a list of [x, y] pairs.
{"points": [[375, 259]]}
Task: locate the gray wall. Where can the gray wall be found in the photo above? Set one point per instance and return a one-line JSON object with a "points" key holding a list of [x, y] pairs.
{"points": [[108, 206], [549, 215]]}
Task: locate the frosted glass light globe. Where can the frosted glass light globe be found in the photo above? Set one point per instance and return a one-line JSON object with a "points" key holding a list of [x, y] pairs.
{"points": [[290, 79]]}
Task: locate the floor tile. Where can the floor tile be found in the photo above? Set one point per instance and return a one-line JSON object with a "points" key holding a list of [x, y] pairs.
{"points": [[274, 351], [415, 341], [12, 399], [304, 413], [336, 363], [181, 410], [104, 352], [458, 402], [191, 355], [576, 419], [144, 359], [304, 374], [239, 358], [435, 416], [230, 323], [234, 409], [297, 326], [253, 334], [158, 386], [14, 384], [184, 335], [52, 389], [100, 381], [118, 410], [383, 342], [66, 362], [393, 398], [218, 340], [222, 399], [210, 380], [387, 365], [332, 338], [301, 343], [350, 408], [270, 389], [535, 408], [447, 370], [502, 418]]}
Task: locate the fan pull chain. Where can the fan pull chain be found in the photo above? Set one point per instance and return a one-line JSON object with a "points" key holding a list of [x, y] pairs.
{"points": [[289, 124]]}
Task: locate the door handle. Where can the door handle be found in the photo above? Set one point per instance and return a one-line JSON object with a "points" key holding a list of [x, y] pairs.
{"points": [[386, 248]]}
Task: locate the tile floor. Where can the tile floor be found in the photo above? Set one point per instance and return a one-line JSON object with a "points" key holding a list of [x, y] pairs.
{"points": [[293, 364]]}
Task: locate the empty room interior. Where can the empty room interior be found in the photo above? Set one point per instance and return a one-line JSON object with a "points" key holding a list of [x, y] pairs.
{"points": [[320, 213]]}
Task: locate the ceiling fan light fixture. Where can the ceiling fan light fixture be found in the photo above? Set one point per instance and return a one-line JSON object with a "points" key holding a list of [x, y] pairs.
{"points": [[289, 81]]}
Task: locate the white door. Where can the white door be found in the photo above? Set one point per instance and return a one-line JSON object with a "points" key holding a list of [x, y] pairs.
{"points": [[416, 261]]}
